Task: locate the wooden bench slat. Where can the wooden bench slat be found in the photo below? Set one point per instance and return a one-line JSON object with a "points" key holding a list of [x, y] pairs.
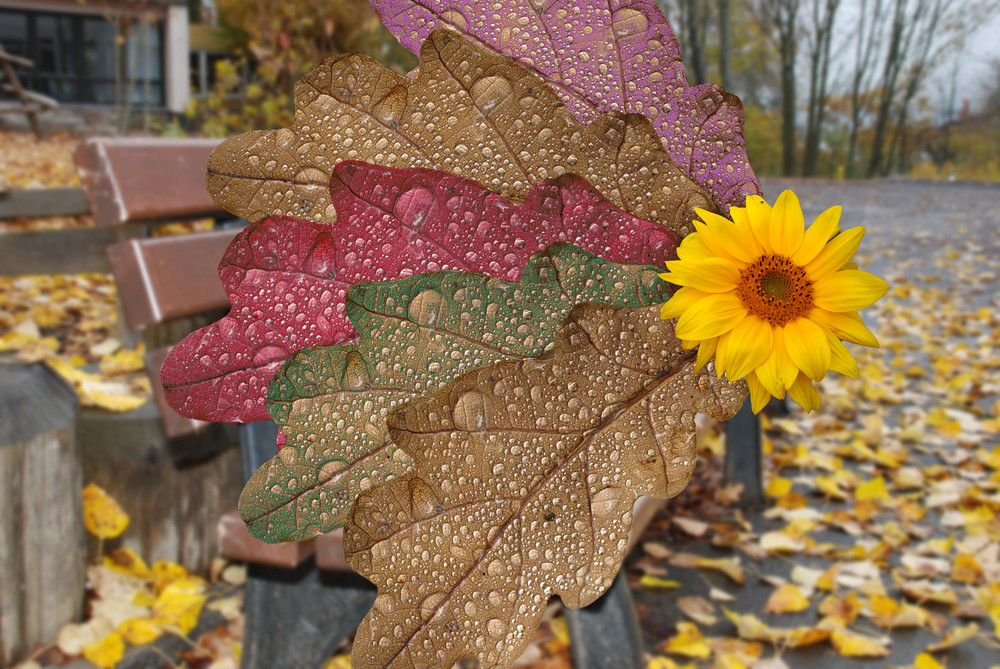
{"points": [[68, 251], [164, 278], [143, 179], [236, 543], [43, 203]]}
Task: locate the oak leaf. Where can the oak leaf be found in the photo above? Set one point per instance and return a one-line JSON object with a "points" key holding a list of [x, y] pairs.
{"points": [[601, 57], [286, 278], [417, 334], [469, 112], [525, 477]]}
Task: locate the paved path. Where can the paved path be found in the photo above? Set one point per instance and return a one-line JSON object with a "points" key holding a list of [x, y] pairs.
{"points": [[938, 244]]}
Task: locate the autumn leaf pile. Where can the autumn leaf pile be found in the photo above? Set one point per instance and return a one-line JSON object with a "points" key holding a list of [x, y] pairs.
{"points": [[131, 603]]}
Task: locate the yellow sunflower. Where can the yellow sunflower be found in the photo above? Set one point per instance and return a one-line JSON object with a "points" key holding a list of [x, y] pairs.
{"points": [[771, 301]]}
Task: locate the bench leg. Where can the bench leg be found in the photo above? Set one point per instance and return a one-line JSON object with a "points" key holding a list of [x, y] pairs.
{"points": [[295, 618], [743, 455], [606, 634]]}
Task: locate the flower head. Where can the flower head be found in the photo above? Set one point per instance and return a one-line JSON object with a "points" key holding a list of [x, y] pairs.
{"points": [[770, 300]]}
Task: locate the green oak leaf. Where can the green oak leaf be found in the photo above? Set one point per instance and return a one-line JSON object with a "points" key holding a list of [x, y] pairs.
{"points": [[417, 334]]}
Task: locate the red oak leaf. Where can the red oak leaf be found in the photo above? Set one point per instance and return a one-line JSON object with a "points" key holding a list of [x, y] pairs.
{"points": [[287, 279]]}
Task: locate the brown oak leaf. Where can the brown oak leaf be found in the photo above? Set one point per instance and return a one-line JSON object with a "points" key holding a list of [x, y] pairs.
{"points": [[470, 112], [525, 477]]}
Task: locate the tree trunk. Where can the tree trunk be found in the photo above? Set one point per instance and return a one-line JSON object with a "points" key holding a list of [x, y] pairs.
{"points": [[789, 108], [725, 49], [819, 60]]}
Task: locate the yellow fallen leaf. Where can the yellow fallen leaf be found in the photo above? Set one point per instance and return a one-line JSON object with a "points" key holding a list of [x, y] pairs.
{"points": [[731, 566], [688, 642], [662, 662], [649, 581], [341, 661], [106, 652], [124, 361], [845, 609], [127, 561], [788, 598], [954, 636], [179, 605], [750, 627], [698, 609], [778, 487], [139, 631], [926, 661], [925, 591], [231, 608], [852, 644], [73, 638], [781, 542], [691, 526], [830, 487], [102, 515], [967, 570], [872, 490], [165, 573]]}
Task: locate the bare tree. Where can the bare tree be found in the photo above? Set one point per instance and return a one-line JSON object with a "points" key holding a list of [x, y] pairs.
{"points": [[695, 16], [820, 32], [725, 45], [782, 16], [867, 38]]}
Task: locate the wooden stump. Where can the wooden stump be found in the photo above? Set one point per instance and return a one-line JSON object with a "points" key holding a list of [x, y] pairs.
{"points": [[42, 547], [174, 490]]}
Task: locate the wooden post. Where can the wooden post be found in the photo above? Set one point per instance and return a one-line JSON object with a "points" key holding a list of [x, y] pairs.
{"points": [[42, 544], [743, 456]]}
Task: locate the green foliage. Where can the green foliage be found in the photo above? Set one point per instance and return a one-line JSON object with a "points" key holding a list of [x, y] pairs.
{"points": [[273, 42]]}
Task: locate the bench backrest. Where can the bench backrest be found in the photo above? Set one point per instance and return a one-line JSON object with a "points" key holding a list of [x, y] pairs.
{"points": [[160, 279]]}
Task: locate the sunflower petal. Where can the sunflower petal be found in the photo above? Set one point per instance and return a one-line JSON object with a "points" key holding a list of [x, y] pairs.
{"points": [[720, 355], [841, 360], [803, 392], [778, 371], [750, 344], [742, 222], [759, 213], [787, 224], [836, 252], [682, 298], [847, 325], [723, 237], [818, 234], [848, 290], [808, 347], [711, 317], [693, 247], [712, 275], [759, 397], [706, 351]]}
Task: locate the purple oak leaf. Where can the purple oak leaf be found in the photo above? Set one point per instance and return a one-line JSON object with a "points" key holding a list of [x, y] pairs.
{"points": [[287, 278], [601, 56]]}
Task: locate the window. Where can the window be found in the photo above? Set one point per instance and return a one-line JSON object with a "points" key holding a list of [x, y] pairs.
{"points": [[81, 58]]}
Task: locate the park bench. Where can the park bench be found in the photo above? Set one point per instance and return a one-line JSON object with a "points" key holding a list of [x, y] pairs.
{"points": [[301, 600]]}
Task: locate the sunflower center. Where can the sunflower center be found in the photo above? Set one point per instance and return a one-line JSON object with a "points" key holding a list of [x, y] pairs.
{"points": [[775, 289]]}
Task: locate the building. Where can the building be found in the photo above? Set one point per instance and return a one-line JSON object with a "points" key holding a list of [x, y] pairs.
{"points": [[122, 53]]}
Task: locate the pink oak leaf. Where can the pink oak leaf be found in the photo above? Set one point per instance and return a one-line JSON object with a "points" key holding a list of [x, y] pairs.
{"points": [[600, 56], [287, 279]]}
